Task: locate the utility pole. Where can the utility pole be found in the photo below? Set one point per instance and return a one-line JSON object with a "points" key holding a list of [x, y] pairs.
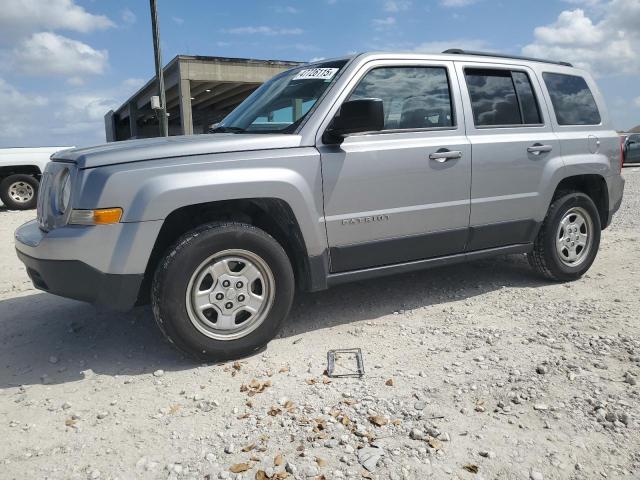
{"points": [[162, 111]]}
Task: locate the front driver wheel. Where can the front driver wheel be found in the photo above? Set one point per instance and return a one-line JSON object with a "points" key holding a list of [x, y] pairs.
{"points": [[223, 291]]}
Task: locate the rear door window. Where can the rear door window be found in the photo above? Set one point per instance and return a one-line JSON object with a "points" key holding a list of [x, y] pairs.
{"points": [[501, 98], [412, 97], [526, 98], [572, 100]]}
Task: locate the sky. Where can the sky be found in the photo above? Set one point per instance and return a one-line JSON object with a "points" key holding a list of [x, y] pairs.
{"points": [[65, 63]]}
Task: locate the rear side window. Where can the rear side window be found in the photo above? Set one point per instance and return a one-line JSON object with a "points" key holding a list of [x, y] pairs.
{"points": [[526, 98], [572, 100], [501, 98], [412, 97]]}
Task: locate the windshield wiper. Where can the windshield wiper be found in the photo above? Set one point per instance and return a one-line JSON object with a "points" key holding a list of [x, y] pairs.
{"points": [[223, 129]]}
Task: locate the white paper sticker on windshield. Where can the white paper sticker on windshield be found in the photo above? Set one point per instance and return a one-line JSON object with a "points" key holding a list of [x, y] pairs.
{"points": [[316, 74]]}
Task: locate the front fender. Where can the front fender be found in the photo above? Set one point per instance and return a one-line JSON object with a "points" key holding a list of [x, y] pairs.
{"points": [[151, 190]]}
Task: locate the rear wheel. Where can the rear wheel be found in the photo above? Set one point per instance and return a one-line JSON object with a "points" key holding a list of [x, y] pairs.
{"points": [[222, 291], [19, 192], [569, 238]]}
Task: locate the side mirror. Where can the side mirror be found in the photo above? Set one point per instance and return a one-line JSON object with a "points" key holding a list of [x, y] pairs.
{"points": [[356, 116]]}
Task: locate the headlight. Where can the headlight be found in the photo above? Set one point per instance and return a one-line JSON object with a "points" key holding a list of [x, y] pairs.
{"points": [[64, 192], [55, 196]]}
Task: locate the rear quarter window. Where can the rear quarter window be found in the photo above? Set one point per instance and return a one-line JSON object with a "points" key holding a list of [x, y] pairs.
{"points": [[572, 100]]}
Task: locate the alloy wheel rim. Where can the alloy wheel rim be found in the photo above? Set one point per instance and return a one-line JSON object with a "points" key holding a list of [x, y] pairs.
{"points": [[230, 294], [574, 237], [21, 192]]}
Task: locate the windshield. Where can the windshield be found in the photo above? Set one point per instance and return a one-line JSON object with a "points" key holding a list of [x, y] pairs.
{"points": [[280, 104]]}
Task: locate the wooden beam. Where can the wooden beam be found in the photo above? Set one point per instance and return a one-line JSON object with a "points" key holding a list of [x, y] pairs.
{"points": [[133, 119], [234, 99], [173, 98], [230, 92], [200, 87], [218, 92]]}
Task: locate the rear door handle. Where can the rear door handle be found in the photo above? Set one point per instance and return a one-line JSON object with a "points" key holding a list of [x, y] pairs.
{"points": [[443, 155], [538, 148]]}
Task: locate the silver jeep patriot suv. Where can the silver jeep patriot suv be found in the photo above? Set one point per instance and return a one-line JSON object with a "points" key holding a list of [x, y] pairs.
{"points": [[331, 172]]}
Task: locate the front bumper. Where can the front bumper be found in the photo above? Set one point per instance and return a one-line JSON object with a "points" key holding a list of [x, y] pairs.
{"points": [[77, 280], [103, 264]]}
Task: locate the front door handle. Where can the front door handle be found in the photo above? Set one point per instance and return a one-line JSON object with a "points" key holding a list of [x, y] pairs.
{"points": [[443, 155], [538, 148]]}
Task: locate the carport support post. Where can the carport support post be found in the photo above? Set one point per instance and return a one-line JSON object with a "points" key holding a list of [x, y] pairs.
{"points": [[110, 126], [186, 117], [133, 119]]}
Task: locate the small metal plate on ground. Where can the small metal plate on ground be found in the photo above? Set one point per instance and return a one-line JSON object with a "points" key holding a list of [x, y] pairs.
{"points": [[345, 363]]}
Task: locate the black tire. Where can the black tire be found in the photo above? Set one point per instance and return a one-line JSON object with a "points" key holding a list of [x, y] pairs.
{"points": [[172, 276], [9, 202], [545, 258]]}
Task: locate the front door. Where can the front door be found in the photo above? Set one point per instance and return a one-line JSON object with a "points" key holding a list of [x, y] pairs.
{"points": [[400, 194], [514, 149]]}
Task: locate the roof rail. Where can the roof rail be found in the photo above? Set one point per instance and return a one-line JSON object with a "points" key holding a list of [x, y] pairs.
{"points": [[459, 51]]}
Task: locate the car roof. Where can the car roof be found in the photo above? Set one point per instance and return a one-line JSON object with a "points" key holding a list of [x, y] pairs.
{"points": [[455, 55]]}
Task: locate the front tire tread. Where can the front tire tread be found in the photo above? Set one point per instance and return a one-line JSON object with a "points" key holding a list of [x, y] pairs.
{"points": [[162, 276]]}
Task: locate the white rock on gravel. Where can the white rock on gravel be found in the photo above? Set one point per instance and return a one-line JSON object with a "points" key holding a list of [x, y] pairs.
{"points": [[369, 456]]}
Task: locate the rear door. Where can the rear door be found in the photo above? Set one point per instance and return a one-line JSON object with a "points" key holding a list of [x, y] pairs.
{"points": [[400, 194], [514, 152]]}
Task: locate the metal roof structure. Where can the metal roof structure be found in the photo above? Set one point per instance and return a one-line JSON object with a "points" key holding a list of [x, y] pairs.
{"points": [[200, 90]]}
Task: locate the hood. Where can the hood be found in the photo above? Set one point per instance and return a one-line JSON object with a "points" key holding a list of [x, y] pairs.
{"points": [[167, 147]]}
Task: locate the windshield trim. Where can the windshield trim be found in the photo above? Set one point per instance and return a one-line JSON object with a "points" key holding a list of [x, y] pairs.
{"points": [[321, 98], [295, 127]]}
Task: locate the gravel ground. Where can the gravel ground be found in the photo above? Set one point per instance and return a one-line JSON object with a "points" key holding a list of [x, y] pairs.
{"points": [[474, 371]]}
